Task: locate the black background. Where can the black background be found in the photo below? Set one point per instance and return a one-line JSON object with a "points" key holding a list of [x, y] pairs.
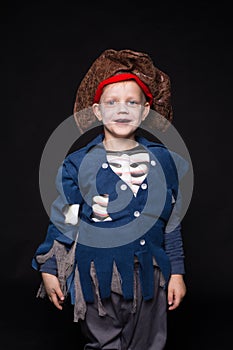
{"points": [[46, 51]]}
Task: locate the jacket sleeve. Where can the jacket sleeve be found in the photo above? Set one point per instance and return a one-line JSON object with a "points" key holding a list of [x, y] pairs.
{"points": [[173, 240], [63, 222], [49, 266], [174, 248]]}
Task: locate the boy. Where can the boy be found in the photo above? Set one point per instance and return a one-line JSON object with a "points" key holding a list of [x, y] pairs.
{"points": [[108, 242]]}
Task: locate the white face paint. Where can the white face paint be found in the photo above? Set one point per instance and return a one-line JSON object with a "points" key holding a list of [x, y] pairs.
{"points": [[122, 108]]}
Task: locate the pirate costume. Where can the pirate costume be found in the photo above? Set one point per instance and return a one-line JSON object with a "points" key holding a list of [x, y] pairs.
{"points": [[108, 240]]}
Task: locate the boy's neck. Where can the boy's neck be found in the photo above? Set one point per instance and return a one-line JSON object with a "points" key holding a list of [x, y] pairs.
{"points": [[119, 144]]}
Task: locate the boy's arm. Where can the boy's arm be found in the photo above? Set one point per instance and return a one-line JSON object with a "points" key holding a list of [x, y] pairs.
{"points": [[53, 289], [49, 266], [175, 251], [173, 243], [63, 225], [62, 230], [176, 291]]}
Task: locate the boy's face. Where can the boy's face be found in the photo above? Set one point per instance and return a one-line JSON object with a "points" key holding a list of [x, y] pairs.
{"points": [[122, 108]]}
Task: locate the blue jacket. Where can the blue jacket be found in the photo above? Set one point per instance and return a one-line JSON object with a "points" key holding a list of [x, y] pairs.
{"points": [[138, 223]]}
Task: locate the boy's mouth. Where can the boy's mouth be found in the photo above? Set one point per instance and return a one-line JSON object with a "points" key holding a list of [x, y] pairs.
{"points": [[122, 120]]}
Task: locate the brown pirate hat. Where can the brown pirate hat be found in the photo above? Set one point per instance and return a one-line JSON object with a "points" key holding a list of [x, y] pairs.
{"points": [[112, 62]]}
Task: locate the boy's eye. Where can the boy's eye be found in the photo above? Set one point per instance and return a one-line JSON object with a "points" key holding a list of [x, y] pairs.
{"points": [[111, 103], [114, 104], [132, 103]]}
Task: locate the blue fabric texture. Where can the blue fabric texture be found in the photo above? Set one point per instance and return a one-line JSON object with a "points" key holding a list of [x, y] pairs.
{"points": [[84, 174]]}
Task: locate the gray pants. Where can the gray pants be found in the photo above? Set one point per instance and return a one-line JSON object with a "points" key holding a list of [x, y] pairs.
{"points": [[120, 329]]}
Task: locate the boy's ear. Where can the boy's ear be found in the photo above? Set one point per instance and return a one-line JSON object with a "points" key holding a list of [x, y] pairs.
{"points": [[146, 110], [96, 111]]}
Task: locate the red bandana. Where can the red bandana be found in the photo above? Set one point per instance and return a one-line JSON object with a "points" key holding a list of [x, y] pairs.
{"points": [[123, 77]]}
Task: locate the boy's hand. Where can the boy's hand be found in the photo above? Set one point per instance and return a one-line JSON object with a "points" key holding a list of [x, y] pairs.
{"points": [[53, 289], [176, 291]]}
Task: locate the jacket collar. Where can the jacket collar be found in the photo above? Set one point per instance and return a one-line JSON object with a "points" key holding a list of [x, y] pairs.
{"points": [[98, 140]]}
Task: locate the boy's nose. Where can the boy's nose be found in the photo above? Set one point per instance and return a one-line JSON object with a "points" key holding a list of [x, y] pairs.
{"points": [[122, 107]]}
